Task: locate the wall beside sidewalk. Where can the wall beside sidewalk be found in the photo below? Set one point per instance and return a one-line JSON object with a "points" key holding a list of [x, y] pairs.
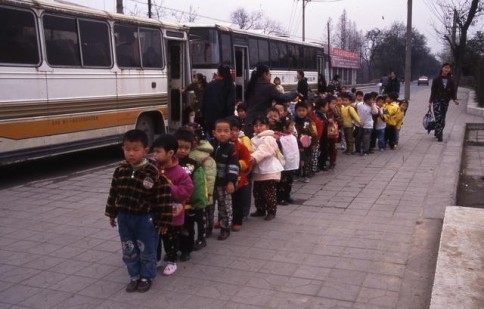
{"points": [[459, 275], [473, 106]]}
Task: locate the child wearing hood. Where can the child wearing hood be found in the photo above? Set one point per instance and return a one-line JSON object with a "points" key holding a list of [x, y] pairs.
{"points": [[267, 169], [201, 152], [181, 185]]}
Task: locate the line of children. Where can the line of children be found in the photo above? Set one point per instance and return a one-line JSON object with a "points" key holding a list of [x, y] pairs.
{"points": [[161, 202]]}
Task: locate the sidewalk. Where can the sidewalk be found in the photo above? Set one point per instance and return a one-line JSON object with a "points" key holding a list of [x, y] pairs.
{"points": [[364, 235]]}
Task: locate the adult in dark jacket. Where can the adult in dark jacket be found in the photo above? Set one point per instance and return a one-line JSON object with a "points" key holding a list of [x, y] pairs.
{"points": [[443, 90], [334, 85], [322, 84], [302, 85], [393, 84], [259, 95], [218, 98]]}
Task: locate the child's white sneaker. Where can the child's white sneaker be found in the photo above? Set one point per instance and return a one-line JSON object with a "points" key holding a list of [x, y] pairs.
{"points": [[169, 269]]}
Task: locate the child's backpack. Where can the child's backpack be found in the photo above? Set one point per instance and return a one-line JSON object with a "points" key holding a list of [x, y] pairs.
{"points": [[290, 151], [279, 155], [333, 130]]}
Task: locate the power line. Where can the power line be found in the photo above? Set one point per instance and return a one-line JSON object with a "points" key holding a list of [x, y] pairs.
{"points": [[185, 12], [230, 22], [298, 20]]}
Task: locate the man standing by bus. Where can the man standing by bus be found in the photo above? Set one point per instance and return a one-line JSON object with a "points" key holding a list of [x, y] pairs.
{"points": [[302, 85]]}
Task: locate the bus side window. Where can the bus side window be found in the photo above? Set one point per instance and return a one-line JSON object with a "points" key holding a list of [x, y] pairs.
{"points": [[151, 47], [61, 41], [127, 46], [62, 52], [95, 43], [18, 37]]}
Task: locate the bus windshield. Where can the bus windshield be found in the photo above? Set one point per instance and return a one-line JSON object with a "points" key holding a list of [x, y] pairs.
{"points": [[204, 47]]}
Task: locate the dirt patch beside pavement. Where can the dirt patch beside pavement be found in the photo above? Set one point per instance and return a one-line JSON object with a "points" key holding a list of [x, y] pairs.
{"points": [[470, 190]]}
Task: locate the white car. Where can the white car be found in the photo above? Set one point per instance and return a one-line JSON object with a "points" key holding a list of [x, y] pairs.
{"points": [[423, 80]]}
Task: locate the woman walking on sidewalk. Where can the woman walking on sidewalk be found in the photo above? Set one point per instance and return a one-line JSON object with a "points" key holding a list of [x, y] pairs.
{"points": [[443, 90]]}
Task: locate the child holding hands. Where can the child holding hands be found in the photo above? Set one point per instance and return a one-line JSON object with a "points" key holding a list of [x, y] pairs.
{"points": [[165, 148]]}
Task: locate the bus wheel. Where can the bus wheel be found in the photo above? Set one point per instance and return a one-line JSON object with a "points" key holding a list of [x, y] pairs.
{"points": [[145, 124]]}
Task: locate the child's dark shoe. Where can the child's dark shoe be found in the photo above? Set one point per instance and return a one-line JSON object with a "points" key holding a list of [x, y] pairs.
{"points": [[132, 286], [185, 256], [224, 234], [258, 213], [269, 217], [199, 244], [144, 285]]}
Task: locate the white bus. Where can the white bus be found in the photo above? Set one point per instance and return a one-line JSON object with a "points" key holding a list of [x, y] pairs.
{"points": [[214, 45], [75, 78]]}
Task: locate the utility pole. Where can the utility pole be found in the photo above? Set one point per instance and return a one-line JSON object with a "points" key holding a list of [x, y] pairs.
{"points": [[149, 8], [119, 7], [329, 51], [408, 51], [304, 2]]}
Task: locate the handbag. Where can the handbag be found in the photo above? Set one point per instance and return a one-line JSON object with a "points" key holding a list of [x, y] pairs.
{"points": [[428, 121], [333, 130]]}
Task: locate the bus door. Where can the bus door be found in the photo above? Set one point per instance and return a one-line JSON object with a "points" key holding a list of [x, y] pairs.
{"points": [[175, 71], [241, 71], [320, 69]]}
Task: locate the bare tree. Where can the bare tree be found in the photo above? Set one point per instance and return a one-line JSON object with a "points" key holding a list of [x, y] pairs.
{"points": [[271, 26], [244, 19], [457, 16], [192, 15], [341, 36], [136, 11], [373, 38], [157, 10], [346, 35], [181, 16]]}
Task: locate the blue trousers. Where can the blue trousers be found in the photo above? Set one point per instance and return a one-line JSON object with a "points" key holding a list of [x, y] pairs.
{"points": [[138, 241]]}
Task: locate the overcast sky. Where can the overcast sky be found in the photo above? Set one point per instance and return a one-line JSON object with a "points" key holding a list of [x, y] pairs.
{"points": [[367, 14]]}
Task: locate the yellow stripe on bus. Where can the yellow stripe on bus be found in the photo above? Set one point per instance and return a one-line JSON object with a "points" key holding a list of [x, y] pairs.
{"points": [[32, 128]]}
